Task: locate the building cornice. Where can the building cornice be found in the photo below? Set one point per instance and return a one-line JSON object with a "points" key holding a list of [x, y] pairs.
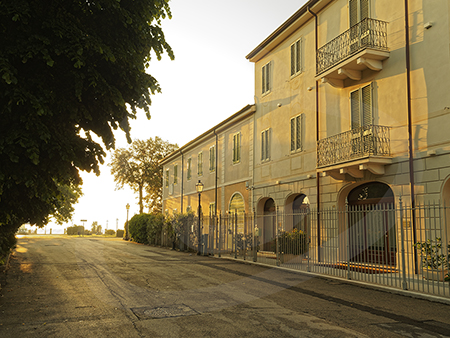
{"points": [[245, 112], [297, 20]]}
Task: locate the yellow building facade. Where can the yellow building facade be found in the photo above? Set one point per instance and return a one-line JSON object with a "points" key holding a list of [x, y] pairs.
{"points": [[350, 108]]}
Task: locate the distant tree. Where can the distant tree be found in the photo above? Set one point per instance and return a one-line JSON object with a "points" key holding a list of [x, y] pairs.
{"points": [[69, 70], [139, 168], [94, 226]]}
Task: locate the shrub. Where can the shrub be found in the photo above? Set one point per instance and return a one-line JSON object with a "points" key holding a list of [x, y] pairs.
{"points": [[120, 233], [293, 242], [87, 232], [155, 225], [75, 230], [110, 232], [7, 241], [432, 255], [137, 227]]}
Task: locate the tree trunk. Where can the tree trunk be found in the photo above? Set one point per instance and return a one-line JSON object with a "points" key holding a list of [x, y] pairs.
{"points": [[141, 205]]}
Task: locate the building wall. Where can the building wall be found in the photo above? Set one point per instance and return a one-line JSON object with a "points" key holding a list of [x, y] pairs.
{"points": [[290, 96]]}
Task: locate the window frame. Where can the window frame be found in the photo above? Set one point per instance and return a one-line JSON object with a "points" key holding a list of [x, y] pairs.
{"points": [[265, 145], [175, 174], [266, 78], [362, 107], [296, 60], [212, 158], [189, 168], [236, 149], [200, 164], [296, 126], [167, 178]]}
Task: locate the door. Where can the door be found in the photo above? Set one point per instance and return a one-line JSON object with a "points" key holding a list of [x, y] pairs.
{"points": [[371, 218]]}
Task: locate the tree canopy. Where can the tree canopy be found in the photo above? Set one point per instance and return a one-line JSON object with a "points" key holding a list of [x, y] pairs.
{"points": [[69, 70], [139, 168]]}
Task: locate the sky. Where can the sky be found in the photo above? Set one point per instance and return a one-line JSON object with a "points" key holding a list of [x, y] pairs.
{"points": [[209, 80]]}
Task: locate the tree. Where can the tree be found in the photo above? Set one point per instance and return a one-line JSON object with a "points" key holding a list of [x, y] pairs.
{"points": [[69, 195], [139, 168], [69, 70]]}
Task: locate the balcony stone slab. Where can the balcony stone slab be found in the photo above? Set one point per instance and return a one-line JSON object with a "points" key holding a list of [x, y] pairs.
{"points": [[353, 66], [356, 168]]}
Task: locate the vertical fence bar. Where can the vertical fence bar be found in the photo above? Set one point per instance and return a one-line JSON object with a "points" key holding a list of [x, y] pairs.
{"points": [[235, 234], [402, 241]]}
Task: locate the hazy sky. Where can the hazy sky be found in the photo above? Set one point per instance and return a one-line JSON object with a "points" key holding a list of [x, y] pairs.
{"points": [[209, 80]]}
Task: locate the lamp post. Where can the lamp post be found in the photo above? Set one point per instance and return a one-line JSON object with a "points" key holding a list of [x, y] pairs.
{"points": [[127, 237], [199, 188]]}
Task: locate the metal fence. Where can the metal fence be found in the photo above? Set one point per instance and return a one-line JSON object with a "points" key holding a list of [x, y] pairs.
{"points": [[396, 246], [356, 143], [369, 33]]}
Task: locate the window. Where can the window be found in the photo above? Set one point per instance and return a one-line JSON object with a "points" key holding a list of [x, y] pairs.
{"points": [[200, 164], [358, 11], [212, 158], [296, 133], [167, 178], [265, 145], [237, 148], [266, 74], [296, 58], [361, 107], [175, 174], [189, 168], [359, 33]]}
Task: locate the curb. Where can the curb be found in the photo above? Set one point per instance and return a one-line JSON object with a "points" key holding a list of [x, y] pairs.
{"points": [[382, 288]]}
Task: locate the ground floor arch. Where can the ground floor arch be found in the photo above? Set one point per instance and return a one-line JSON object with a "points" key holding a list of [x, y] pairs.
{"points": [[371, 224]]}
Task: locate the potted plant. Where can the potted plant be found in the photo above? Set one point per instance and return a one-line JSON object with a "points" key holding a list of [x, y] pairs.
{"points": [[291, 244], [435, 262]]}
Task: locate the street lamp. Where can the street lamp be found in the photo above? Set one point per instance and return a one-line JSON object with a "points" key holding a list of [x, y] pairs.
{"points": [[127, 237], [199, 188]]}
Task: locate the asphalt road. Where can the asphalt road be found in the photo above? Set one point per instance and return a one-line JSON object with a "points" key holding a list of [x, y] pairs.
{"points": [[60, 286]]}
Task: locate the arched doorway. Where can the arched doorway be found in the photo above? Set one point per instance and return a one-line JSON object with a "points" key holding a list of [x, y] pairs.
{"points": [[300, 210], [371, 220], [269, 228], [237, 210]]}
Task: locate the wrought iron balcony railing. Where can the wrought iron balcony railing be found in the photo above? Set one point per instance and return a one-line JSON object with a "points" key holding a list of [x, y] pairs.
{"points": [[368, 33], [354, 144]]}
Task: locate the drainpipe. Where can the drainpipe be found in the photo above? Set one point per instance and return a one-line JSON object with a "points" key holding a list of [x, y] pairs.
{"points": [[410, 139], [217, 169], [317, 134], [182, 179]]}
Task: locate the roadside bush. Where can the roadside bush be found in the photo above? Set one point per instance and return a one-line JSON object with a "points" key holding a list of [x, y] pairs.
{"points": [[138, 228], [75, 230], [177, 228], [120, 233], [7, 241], [110, 232], [87, 232], [155, 224]]}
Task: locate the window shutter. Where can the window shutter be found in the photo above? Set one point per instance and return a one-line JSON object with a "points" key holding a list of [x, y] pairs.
{"points": [[293, 63], [364, 9], [366, 96], [175, 174], [353, 12], [263, 79], [268, 77], [238, 157], [355, 108], [299, 132], [298, 56], [293, 134]]}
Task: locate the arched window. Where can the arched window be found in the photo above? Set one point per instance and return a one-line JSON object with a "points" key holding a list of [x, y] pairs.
{"points": [[300, 208]]}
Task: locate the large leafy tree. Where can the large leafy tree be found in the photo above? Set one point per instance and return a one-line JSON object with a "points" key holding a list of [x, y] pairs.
{"points": [[69, 70], [139, 168]]}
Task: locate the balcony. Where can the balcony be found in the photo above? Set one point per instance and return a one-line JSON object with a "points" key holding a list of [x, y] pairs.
{"points": [[363, 46], [354, 151]]}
